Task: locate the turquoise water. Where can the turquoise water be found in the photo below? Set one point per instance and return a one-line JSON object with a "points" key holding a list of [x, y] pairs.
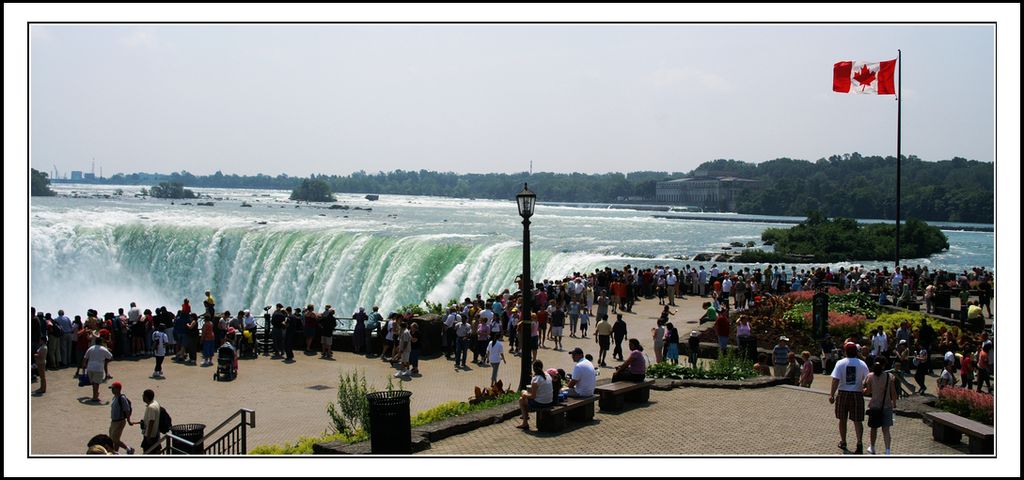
{"points": [[103, 253]]}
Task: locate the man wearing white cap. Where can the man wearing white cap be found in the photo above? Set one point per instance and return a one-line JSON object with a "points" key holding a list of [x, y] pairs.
{"points": [[780, 355]]}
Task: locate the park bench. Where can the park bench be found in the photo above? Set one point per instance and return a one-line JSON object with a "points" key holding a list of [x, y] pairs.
{"points": [[553, 418], [948, 428], [614, 395]]}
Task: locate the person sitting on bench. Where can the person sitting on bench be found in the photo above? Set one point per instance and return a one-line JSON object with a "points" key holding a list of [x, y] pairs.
{"points": [[540, 394], [634, 369], [584, 376]]}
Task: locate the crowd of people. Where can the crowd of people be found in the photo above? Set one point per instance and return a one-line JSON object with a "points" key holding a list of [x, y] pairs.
{"points": [[579, 305]]}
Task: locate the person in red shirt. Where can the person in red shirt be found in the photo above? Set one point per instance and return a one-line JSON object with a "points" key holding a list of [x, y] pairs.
{"points": [[542, 324], [186, 307], [619, 289], [722, 329]]}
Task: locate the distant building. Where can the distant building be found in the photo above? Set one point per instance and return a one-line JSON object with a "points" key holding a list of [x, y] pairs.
{"points": [[709, 192], [76, 175], [89, 176]]}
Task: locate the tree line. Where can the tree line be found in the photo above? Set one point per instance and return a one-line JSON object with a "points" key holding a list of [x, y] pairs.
{"points": [[850, 185]]}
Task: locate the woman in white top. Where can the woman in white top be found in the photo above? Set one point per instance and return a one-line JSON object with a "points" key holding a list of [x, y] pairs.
{"points": [[540, 394], [659, 340], [496, 356]]}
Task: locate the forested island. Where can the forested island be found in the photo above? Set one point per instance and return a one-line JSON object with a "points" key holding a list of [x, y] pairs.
{"points": [[851, 185], [313, 191], [820, 239], [40, 184]]}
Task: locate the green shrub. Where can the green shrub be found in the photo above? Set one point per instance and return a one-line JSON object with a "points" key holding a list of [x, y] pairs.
{"points": [[729, 367], [455, 408], [854, 303], [796, 317], [305, 444], [890, 322], [412, 308], [353, 411]]}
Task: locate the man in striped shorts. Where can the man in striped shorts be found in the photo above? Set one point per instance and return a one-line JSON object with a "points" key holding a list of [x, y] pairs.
{"points": [[848, 377]]}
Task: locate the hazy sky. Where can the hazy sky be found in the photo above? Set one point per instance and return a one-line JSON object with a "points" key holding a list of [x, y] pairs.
{"points": [[334, 99]]}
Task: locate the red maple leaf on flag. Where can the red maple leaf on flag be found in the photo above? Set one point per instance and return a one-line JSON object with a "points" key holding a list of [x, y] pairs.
{"points": [[864, 77]]}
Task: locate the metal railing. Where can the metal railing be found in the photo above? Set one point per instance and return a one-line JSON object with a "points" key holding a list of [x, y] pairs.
{"points": [[231, 442]]}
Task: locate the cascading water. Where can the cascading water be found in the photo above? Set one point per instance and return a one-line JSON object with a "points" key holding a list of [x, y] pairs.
{"points": [[103, 251], [250, 267]]}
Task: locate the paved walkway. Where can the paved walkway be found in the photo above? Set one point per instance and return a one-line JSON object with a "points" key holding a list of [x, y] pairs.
{"points": [[699, 421], [287, 408]]}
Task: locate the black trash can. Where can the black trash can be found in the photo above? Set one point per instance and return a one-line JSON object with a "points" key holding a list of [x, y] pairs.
{"points": [[390, 428], [193, 432]]}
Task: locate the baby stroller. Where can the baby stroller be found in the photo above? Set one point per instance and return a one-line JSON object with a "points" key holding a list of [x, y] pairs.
{"points": [[227, 363]]}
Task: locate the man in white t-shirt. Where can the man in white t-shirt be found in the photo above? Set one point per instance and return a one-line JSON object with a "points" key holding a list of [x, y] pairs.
{"points": [[848, 378], [584, 376], [94, 362], [670, 283]]}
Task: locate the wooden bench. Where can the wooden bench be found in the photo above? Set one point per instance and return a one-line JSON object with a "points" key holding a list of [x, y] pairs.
{"points": [[614, 395], [553, 418], [948, 428]]}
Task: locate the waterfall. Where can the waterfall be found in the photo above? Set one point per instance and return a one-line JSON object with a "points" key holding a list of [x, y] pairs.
{"points": [[108, 266]]}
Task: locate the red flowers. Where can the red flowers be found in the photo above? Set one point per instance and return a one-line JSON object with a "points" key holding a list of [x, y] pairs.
{"points": [[842, 325], [808, 295], [967, 403]]}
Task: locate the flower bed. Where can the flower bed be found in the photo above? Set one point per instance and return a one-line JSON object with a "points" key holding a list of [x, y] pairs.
{"points": [[729, 367], [967, 403]]}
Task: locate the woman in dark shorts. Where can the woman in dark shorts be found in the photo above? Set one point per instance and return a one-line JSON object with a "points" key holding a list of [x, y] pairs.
{"points": [[540, 395]]}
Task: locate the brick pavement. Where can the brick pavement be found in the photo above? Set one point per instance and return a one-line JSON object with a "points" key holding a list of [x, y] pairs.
{"points": [[700, 421], [286, 408]]}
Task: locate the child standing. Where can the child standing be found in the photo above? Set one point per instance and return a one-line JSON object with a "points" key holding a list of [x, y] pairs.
{"points": [[574, 316], [807, 370], [694, 347], [584, 322]]}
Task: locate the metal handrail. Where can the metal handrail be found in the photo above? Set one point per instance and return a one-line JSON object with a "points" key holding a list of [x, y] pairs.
{"points": [[169, 439], [241, 411]]}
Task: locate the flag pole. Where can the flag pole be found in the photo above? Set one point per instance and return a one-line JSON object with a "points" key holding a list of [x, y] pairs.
{"points": [[899, 120]]}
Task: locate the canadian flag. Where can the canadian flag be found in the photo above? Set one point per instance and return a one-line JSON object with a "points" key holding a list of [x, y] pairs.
{"points": [[862, 77]]}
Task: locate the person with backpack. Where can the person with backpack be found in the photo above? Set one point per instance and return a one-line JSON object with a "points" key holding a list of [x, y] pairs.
{"points": [[152, 423], [120, 414], [327, 325]]}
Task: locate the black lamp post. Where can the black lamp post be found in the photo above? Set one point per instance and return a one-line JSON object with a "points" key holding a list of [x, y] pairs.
{"points": [[526, 200]]}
